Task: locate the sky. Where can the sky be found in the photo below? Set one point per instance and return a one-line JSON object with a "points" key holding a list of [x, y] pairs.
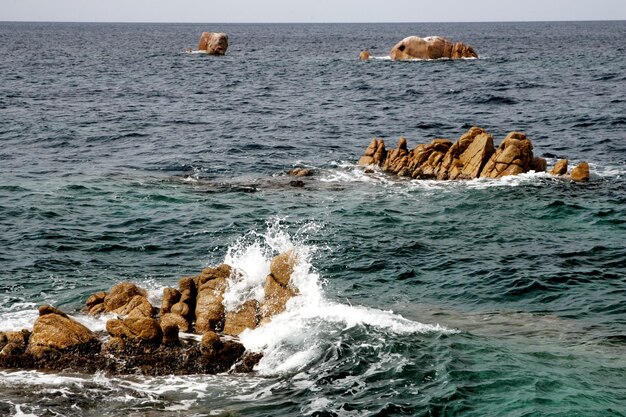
{"points": [[240, 11]]}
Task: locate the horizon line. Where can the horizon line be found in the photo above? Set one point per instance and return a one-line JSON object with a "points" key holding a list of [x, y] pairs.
{"points": [[308, 22]]}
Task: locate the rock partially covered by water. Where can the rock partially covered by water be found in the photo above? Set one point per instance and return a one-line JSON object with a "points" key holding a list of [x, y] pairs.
{"points": [[472, 156], [432, 47], [213, 43]]}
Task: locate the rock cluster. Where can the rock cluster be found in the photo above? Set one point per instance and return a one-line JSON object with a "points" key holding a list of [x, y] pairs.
{"points": [[432, 47], [144, 339], [472, 156], [213, 43]]}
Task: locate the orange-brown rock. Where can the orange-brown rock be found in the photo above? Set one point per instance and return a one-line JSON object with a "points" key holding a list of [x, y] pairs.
{"points": [[213, 43], [170, 335], [300, 172], [54, 330], [246, 317], [282, 266], [560, 168], [580, 172], [121, 294], [513, 156], [171, 318], [95, 303], [276, 297], [142, 329], [364, 55], [138, 306], [211, 284], [539, 164], [375, 153], [14, 342], [210, 342], [170, 297], [432, 47]]}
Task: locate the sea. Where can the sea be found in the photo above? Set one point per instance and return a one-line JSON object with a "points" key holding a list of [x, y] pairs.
{"points": [[124, 158]]}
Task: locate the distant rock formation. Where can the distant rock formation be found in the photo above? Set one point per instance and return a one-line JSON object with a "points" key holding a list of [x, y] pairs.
{"points": [[432, 47], [213, 43], [143, 339], [364, 55], [472, 156]]}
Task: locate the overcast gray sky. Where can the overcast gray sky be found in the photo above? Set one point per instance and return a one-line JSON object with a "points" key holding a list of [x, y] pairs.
{"points": [[310, 10]]}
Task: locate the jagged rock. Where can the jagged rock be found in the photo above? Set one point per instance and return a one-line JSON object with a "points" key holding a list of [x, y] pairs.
{"points": [[121, 294], [580, 172], [560, 168], [54, 330], [142, 329], [432, 47], [170, 297], [246, 317], [213, 43], [364, 55], [513, 156], [375, 153], [211, 285], [472, 156]]}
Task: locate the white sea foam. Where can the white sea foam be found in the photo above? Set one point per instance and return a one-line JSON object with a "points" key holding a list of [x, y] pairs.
{"points": [[294, 338]]}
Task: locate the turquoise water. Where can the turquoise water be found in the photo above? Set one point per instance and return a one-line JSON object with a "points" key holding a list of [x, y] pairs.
{"points": [[126, 162]]}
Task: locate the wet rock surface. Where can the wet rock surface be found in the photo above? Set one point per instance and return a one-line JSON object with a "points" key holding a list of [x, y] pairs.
{"points": [[140, 340], [472, 156], [432, 47]]}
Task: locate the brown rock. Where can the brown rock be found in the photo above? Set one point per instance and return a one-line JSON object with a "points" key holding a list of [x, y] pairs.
{"points": [[181, 309], [60, 332], [513, 156], [48, 309], [187, 284], [432, 47], [170, 297], [114, 345], [210, 342], [282, 267], [247, 317], [121, 294], [364, 55], [176, 319], [213, 43], [143, 329], [580, 172], [276, 297], [95, 299], [212, 283], [138, 306], [560, 168], [538, 164], [476, 155], [14, 342], [170, 334]]}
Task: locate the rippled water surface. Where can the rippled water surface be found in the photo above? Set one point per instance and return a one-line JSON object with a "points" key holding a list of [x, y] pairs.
{"points": [[124, 158]]}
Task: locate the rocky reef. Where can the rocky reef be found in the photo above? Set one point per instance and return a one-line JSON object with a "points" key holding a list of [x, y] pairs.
{"points": [[213, 43], [141, 338], [432, 47], [472, 156]]}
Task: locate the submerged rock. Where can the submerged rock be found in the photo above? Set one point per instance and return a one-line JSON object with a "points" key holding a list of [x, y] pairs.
{"points": [[432, 47], [472, 156], [364, 55], [213, 43]]}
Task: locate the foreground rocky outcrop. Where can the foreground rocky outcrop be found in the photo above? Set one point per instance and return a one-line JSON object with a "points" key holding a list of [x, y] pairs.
{"points": [[472, 156], [213, 43], [143, 339], [432, 47]]}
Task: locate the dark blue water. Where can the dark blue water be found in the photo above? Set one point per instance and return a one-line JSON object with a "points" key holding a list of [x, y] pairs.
{"points": [[124, 158]]}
